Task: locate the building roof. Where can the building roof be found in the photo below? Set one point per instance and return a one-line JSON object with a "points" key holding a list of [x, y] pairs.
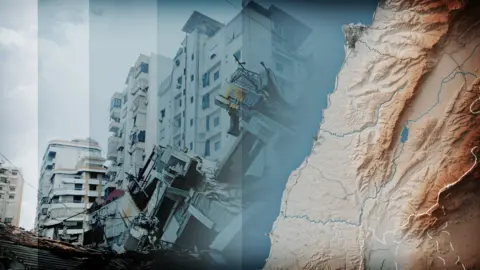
{"points": [[203, 23], [40, 253]]}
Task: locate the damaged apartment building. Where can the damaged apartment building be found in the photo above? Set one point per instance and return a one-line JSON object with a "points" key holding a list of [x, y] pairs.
{"points": [[223, 113], [71, 178]]}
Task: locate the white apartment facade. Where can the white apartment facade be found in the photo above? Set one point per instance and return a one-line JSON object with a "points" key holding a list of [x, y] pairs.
{"points": [[188, 115], [11, 191], [126, 145], [71, 179], [130, 111]]}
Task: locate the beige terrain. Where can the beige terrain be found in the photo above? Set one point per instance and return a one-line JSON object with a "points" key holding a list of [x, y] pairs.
{"points": [[366, 198]]}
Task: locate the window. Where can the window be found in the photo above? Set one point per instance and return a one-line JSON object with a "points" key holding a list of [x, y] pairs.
{"points": [[212, 56], [179, 144], [190, 145], [14, 172], [91, 199], [193, 56], [143, 67], [93, 175], [3, 180], [191, 122], [191, 99], [217, 145], [216, 121], [116, 103], [1, 188], [12, 189], [179, 122], [207, 123], [44, 211], [78, 186], [8, 220], [177, 62], [279, 67], [92, 187], [206, 79], [125, 98], [216, 75], [11, 197], [183, 113], [179, 81], [141, 136], [179, 103], [207, 148], [191, 78], [77, 199], [184, 91], [206, 101], [238, 54], [162, 113]]}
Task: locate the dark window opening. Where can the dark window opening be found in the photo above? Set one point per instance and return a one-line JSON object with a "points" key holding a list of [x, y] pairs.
{"points": [[206, 101], [207, 123], [207, 148], [206, 79]]}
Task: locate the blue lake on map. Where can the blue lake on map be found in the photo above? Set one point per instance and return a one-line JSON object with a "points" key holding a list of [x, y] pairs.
{"points": [[404, 135]]}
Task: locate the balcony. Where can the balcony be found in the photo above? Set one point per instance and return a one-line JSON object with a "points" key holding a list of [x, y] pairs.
{"points": [[141, 86], [114, 126], [61, 191], [113, 169], [121, 144], [139, 105], [115, 112], [120, 159], [112, 151], [50, 164]]}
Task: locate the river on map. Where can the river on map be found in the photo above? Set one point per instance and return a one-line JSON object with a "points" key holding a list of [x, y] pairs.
{"points": [[327, 43]]}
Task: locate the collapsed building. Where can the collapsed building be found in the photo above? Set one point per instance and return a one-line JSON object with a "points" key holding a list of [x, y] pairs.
{"points": [[188, 203]]}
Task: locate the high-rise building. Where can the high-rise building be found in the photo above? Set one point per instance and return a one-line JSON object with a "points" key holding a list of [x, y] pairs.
{"points": [[205, 61], [11, 190], [71, 178], [133, 120], [175, 195]]}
